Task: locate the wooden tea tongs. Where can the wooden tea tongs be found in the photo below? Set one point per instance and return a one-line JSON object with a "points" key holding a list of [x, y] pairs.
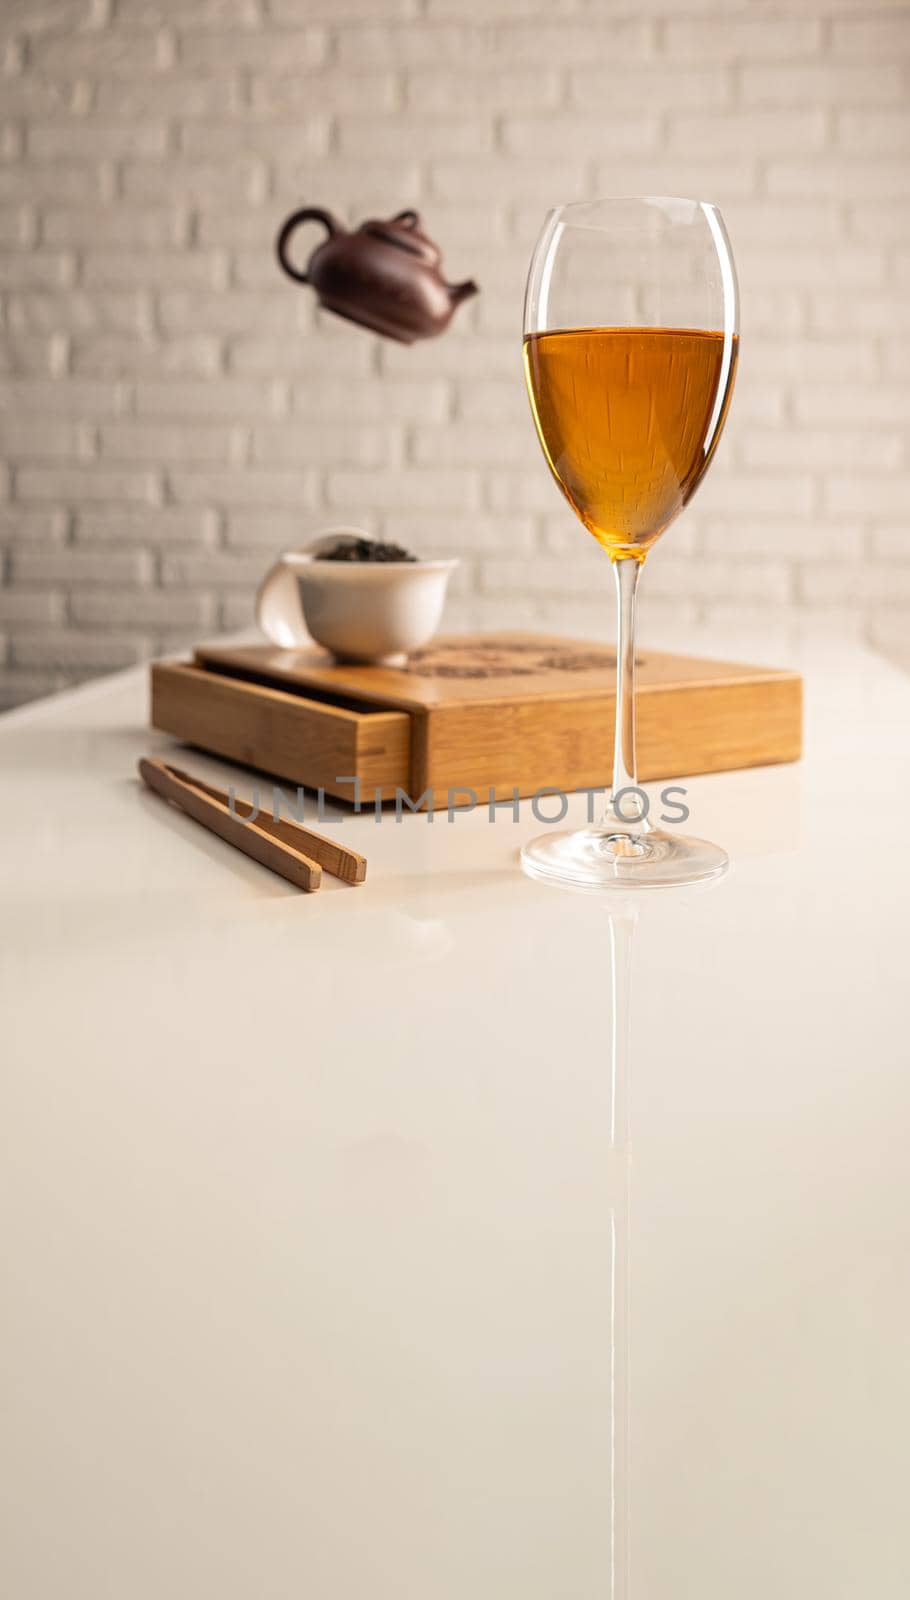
{"points": [[286, 847]]}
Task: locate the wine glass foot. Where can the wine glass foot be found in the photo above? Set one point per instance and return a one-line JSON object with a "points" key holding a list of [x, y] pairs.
{"points": [[609, 858]]}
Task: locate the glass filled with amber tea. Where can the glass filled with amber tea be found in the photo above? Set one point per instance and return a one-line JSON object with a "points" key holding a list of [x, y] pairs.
{"points": [[630, 349]]}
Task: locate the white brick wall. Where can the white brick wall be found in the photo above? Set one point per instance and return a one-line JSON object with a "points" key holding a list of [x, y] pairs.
{"points": [[173, 411]]}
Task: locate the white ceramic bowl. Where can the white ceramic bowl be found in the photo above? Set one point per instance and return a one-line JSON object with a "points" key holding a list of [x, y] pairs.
{"points": [[359, 610]]}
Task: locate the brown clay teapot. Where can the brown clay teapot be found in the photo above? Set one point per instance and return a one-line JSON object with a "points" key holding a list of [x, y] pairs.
{"points": [[384, 275]]}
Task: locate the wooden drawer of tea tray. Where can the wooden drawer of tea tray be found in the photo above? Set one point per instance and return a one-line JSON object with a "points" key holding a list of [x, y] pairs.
{"points": [[301, 740]]}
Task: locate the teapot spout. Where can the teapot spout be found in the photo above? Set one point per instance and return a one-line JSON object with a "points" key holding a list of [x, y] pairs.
{"points": [[462, 291]]}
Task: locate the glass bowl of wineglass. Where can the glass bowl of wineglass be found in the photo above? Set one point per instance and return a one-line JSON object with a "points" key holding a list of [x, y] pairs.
{"points": [[630, 348]]}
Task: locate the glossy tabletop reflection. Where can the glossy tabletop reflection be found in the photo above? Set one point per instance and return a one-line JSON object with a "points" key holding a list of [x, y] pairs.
{"points": [[454, 1235]]}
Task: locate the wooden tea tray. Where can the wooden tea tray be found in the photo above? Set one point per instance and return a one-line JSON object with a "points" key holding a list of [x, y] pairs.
{"points": [[517, 711]]}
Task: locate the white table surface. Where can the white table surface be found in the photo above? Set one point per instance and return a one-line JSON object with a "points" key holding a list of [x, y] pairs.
{"points": [[315, 1238]]}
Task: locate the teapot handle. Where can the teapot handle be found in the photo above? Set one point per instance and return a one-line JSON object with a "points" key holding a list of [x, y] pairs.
{"points": [[308, 214]]}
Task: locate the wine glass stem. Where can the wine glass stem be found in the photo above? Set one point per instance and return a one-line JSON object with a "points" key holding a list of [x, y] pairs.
{"points": [[624, 806]]}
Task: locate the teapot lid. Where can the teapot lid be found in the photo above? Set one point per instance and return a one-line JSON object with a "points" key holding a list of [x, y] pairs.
{"points": [[403, 231]]}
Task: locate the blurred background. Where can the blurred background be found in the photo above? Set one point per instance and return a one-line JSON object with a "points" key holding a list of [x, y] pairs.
{"points": [[174, 412]]}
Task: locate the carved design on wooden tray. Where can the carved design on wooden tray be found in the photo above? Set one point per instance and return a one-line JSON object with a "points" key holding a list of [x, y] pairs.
{"points": [[514, 659]]}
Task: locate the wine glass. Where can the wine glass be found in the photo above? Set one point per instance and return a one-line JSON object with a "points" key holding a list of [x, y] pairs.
{"points": [[630, 349]]}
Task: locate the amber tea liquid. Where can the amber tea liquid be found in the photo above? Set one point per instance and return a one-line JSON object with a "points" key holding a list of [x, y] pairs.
{"points": [[628, 419]]}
